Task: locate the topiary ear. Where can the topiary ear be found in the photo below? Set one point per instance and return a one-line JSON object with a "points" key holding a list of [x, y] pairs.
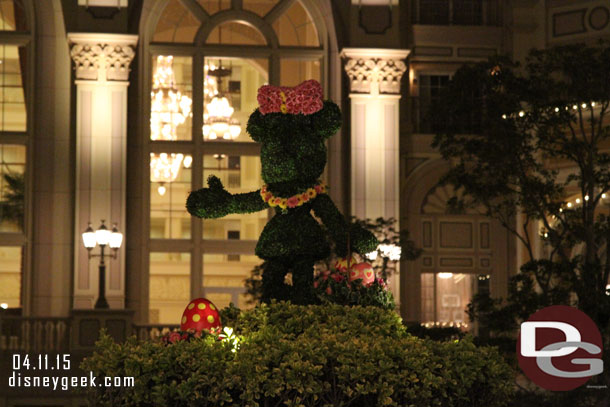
{"points": [[328, 120], [256, 126]]}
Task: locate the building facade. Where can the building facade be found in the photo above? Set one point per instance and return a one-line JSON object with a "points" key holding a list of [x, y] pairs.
{"points": [[108, 112]]}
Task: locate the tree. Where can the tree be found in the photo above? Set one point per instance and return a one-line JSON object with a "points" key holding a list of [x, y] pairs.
{"points": [[541, 135], [523, 140]]}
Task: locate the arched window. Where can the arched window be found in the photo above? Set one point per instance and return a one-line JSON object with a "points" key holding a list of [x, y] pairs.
{"points": [[206, 59], [15, 140]]}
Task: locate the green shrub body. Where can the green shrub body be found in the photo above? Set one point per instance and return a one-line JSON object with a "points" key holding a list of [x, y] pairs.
{"points": [[305, 356], [293, 157]]}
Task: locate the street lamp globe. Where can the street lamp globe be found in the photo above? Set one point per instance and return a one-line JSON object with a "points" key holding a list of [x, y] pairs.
{"points": [[89, 238], [102, 235], [116, 238]]}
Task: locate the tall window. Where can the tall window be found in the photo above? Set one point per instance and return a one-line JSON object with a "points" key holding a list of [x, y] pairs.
{"points": [[14, 149], [205, 73], [430, 88]]}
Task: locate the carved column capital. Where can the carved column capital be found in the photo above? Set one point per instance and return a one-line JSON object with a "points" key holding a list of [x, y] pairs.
{"points": [[102, 57], [375, 71]]}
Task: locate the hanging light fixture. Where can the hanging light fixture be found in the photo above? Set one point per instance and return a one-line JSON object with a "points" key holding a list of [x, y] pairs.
{"points": [[169, 109], [218, 122]]}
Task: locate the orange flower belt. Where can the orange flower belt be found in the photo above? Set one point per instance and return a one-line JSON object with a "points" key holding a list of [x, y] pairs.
{"points": [[295, 200]]}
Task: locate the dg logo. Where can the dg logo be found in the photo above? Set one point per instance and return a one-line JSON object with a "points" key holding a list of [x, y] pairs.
{"points": [[560, 348]]}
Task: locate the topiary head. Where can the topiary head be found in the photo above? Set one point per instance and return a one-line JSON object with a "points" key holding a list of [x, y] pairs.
{"points": [[292, 141]]}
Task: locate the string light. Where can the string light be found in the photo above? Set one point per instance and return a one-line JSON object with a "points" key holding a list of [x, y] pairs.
{"points": [[556, 109], [446, 324]]}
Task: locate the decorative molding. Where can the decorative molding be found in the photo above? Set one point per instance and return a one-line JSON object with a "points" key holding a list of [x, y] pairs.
{"points": [[375, 19], [102, 57], [569, 22], [375, 71]]}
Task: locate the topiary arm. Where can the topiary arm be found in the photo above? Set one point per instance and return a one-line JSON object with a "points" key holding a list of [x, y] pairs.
{"points": [[216, 202], [361, 240]]}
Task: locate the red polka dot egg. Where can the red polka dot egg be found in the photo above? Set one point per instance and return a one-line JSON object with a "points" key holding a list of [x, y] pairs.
{"points": [[363, 271], [199, 315]]}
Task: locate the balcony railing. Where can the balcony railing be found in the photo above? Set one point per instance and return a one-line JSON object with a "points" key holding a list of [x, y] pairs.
{"points": [[34, 335]]}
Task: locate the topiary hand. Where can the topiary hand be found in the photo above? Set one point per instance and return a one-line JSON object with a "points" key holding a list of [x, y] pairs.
{"points": [[211, 202], [361, 240]]}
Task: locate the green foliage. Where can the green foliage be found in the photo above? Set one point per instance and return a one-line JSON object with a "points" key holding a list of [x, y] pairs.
{"points": [[293, 157], [436, 333], [549, 113], [333, 290], [304, 356], [530, 118]]}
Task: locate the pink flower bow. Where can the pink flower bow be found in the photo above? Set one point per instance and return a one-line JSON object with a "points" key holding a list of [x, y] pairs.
{"points": [[305, 98]]}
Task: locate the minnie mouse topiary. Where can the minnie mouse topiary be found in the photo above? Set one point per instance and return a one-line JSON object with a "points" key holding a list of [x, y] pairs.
{"points": [[291, 125]]}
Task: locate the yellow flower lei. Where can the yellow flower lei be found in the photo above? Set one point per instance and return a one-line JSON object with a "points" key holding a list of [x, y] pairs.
{"points": [[295, 200]]}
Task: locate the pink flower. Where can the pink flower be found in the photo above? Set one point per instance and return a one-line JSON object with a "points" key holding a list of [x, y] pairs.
{"points": [[337, 277], [292, 202], [319, 188], [174, 337], [315, 284], [305, 197], [329, 290], [305, 98]]}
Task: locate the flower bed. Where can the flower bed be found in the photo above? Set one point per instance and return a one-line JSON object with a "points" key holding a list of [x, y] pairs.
{"points": [[328, 355]]}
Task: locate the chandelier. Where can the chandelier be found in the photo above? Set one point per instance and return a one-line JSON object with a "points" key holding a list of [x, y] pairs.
{"points": [[169, 109], [217, 119]]}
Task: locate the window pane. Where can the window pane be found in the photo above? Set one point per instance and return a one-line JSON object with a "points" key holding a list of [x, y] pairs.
{"points": [[169, 287], [214, 6], [260, 7], [294, 71], [467, 12], [237, 82], [296, 28], [170, 185], [239, 174], [176, 24], [434, 12], [12, 98], [430, 89], [445, 297], [224, 278], [12, 16], [10, 276], [172, 93], [12, 187], [236, 33]]}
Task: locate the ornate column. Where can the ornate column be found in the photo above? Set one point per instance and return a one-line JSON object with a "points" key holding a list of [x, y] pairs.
{"points": [[101, 66], [374, 76]]}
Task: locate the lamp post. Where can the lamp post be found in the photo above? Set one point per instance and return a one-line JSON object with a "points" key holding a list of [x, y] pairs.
{"points": [[102, 237]]}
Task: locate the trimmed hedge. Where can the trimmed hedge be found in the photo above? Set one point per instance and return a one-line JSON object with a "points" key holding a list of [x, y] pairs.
{"points": [[305, 356]]}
